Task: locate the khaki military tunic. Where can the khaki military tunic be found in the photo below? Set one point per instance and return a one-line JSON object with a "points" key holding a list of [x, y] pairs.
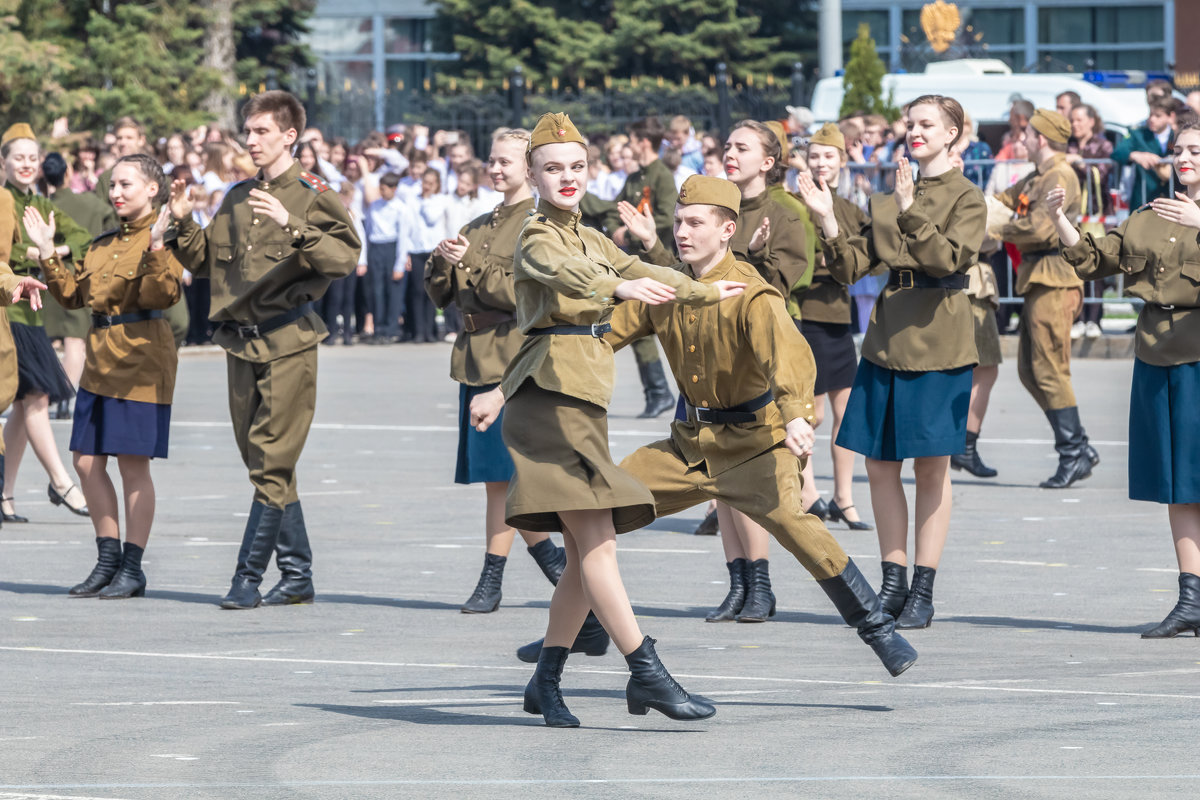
{"points": [[782, 261], [120, 274], [1053, 292], [96, 216], [918, 330], [67, 232], [482, 287], [827, 300], [722, 356], [260, 271], [985, 299], [1161, 264], [9, 235]]}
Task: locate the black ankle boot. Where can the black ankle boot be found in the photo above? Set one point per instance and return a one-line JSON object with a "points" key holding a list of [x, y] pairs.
{"points": [[293, 556], [918, 609], [550, 558], [970, 461], [819, 509], [542, 693], [760, 600], [735, 601], [893, 592], [858, 604], [709, 526], [658, 392], [1075, 456], [108, 562], [651, 686], [129, 581], [486, 597], [592, 640], [258, 545], [1185, 616]]}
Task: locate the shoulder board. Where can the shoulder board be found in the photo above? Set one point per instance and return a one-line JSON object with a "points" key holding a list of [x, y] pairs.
{"points": [[1140, 209], [313, 182], [239, 183], [542, 218]]}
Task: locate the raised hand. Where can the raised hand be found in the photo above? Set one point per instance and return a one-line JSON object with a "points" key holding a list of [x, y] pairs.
{"points": [[639, 223], [1055, 199], [40, 231], [759, 240], [454, 249], [818, 198], [269, 206], [160, 229], [904, 183], [1181, 210], [180, 202]]}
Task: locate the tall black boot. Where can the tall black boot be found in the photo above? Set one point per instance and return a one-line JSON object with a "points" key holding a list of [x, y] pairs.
{"points": [[659, 397], [108, 561], [550, 558], [1075, 456], [760, 600], [858, 604], [486, 597], [129, 581], [733, 603], [258, 545], [709, 526], [592, 640], [893, 592], [1185, 616], [651, 686], [970, 461], [293, 556], [542, 693], [918, 609]]}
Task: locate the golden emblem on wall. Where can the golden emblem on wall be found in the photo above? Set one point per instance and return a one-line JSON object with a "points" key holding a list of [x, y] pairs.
{"points": [[940, 20]]}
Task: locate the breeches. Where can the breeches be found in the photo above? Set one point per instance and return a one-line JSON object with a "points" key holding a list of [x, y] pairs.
{"points": [[1044, 349]]}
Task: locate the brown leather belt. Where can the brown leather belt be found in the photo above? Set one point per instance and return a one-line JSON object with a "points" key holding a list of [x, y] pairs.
{"points": [[484, 320]]}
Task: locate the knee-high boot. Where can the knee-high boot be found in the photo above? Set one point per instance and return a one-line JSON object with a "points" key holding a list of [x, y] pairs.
{"points": [[293, 555], [858, 604], [258, 545]]}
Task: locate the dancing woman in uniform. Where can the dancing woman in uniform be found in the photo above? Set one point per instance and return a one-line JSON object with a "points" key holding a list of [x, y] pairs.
{"points": [[123, 408], [913, 386], [1157, 251], [557, 388]]}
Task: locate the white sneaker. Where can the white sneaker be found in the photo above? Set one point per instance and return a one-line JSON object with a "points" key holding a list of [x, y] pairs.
{"points": [[1077, 330], [1091, 331]]}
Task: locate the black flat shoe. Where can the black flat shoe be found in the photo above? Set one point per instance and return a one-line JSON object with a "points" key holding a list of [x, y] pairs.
{"points": [[838, 514], [13, 517], [72, 498], [819, 510]]}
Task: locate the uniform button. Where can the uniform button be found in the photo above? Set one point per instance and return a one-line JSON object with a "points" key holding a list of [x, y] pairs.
{"points": [[124, 238], [691, 348], [255, 221], [808, 406], [704, 403], [695, 379], [249, 247], [115, 257], [692, 318], [1172, 238]]}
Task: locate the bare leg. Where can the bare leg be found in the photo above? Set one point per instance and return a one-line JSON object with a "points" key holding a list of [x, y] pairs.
{"points": [[100, 494], [808, 484], [74, 353], [756, 542], [499, 534], [139, 498], [933, 503], [597, 542], [891, 509], [568, 606], [731, 543], [982, 381], [41, 439], [1185, 530], [843, 459], [14, 449]]}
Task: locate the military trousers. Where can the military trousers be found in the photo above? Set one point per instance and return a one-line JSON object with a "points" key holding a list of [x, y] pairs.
{"points": [[272, 407], [645, 350], [766, 489], [1044, 346]]}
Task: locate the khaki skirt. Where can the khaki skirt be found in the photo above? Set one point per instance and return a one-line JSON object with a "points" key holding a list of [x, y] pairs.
{"points": [[559, 448], [987, 334]]}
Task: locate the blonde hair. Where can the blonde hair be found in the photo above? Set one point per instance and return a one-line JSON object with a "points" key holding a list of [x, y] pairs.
{"points": [[952, 111], [512, 135]]}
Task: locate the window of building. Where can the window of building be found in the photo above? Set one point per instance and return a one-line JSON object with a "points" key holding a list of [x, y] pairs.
{"points": [[406, 36], [340, 36], [1100, 26]]}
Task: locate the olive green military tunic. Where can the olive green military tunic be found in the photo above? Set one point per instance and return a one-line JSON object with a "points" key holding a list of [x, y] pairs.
{"points": [[985, 299], [558, 387], [67, 232], [1053, 292], [827, 300], [96, 216], [260, 272], [482, 286], [916, 329], [9, 235], [783, 259]]}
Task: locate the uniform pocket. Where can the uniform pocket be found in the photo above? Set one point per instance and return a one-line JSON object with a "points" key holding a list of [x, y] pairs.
{"points": [[224, 252], [1184, 290], [1191, 270], [1133, 264], [278, 249]]}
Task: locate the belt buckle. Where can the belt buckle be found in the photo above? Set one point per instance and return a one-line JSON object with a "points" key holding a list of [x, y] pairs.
{"points": [[596, 333], [247, 331], [704, 415], [468, 323], [1165, 307], [102, 320], [905, 273]]}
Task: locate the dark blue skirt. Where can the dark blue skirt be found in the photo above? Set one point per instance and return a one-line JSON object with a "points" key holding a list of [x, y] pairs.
{"points": [[108, 426], [1164, 440], [482, 457], [894, 415]]}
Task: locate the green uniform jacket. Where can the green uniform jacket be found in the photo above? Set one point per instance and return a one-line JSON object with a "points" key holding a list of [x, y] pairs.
{"points": [[793, 203], [827, 300], [663, 196], [1161, 264], [95, 215], [67, 232], [783, 259], [260, 271], [1032, 228], [918, 330]]}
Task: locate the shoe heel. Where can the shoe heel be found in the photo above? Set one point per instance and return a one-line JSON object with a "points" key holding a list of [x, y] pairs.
{"points": [[637, 708], [141, 592], [531, 707], [771, 613]]}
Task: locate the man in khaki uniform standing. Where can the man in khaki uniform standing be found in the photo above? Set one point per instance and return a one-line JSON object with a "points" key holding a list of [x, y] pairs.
{"points": [[1052, 291], [272, 249]]}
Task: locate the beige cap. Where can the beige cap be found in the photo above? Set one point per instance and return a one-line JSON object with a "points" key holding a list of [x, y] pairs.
{"points": [[829, 135], [19, 130], [1052, 125], [703, 190], [553, 129]]}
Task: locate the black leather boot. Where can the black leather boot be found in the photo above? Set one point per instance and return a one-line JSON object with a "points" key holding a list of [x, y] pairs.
{"points": [[970, 461], [542, 693], [592, 640], [893, 592], [258, 545], [709, 526], [819, 509], [858, 604], [486, 597], [918, 609], [760, 600], [651, 686], [1185, 616], [733, 603], [129, 581], [550, 558], [659, 397], [293, 556], [1075, 456], [108, 561]]}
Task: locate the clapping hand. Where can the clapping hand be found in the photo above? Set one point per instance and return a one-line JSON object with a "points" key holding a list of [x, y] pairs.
{"points": [[759, 240], [904, 183], [1182, 210], [1055, 199], [818, 198], [180, 203], [160, 229], [454, 249], [40, 231], [639, 223]]}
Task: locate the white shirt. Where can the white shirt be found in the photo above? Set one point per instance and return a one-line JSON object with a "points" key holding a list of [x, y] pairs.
{"points": [[392, 221], [431, 220]]}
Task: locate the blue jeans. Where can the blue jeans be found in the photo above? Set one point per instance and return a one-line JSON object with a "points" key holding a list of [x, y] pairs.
{"points": [[387, 295]]}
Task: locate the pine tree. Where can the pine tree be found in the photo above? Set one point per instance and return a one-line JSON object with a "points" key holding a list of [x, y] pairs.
{"points": [[862, 81]]}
